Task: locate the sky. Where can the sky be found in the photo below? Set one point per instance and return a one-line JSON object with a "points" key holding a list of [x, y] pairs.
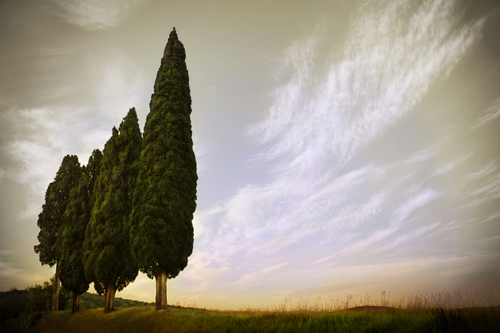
{"points": [[343, 147]]}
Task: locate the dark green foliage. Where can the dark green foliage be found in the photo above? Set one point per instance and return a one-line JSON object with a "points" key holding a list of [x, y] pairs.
{"points": [[108, 259], [21, 324], [94, 301], [72, 232], [40, 297], [12, 303], [165, 192], [52, 216]]}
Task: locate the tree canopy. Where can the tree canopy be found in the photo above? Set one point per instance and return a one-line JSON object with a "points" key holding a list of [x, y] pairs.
{"points": [[165, 193], [131, 208], [108, 260], [52, 216], [72, 232]]}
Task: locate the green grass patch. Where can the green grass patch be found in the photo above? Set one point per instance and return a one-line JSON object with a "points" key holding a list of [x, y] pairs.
{"points": [[145, 319]]}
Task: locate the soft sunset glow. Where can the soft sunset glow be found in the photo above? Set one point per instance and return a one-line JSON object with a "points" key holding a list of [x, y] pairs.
{"points": [[343, 147]]}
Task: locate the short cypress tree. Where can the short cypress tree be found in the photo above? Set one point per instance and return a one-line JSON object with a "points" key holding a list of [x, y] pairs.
{"points": [[108, 259], [165, 192], [51, 218], [72, 232]]}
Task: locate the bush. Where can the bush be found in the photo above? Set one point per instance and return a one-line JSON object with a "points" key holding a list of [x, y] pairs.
{"points": [[40, 297], [12, 303]]}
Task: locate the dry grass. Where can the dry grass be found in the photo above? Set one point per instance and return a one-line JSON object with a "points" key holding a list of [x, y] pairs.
{"points": [[435, 312], [443, 300]]}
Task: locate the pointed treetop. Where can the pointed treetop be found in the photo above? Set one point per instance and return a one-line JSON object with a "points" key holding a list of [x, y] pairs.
{"points": [[173, 34], [131, 116], [174, 42]]}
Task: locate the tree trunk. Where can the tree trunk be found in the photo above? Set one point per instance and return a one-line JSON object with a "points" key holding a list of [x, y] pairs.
{"points": [[161, 291], [55, 294], [110, 298], [76, 302]]}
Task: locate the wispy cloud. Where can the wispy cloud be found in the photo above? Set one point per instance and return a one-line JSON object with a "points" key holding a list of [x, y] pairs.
{"points": [[482, 190], [8, 271], [36, 139], [10, 276], [42, 139], [452, 165], [48, 134], [94, 14], [405, 238], [415, 202], [255, 278], [351, 216], [493, 112], [319, 120], [386, 69]]}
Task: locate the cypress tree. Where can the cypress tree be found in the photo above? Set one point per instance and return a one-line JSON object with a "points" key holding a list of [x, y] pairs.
{"points": [[72, 232], [108, 260], [51, 218], [165, 192]]}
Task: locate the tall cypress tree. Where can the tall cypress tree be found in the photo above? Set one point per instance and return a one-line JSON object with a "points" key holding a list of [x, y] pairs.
{"points": [[165, 192], [72, 232], [108, 259], [51, 218]]}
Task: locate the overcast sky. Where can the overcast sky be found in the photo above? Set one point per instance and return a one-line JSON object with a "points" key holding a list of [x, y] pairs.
{"points": [[342, 146]]}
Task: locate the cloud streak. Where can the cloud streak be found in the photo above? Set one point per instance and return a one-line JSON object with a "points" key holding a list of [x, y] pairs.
{"points": [[37, 136], [492, 113], [386, 69], [94, 14], [319, 121]]}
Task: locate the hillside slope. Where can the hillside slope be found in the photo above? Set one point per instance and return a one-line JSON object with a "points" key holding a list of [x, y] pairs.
{"points": [[145, 319]]}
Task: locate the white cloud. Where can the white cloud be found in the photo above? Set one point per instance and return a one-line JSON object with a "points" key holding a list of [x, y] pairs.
{"points": [[372, 239], [7, 270], [452, 165], [320, 119], [47, 133], [256, 278], [491, 217], [41, 137], [492, 113], [479, 187], [406, 237], [485, 171], [10, 277], [421, 156], [95, 14], [483, 191], [388, 66], [415, 202], [351, 216], [44, 137]]}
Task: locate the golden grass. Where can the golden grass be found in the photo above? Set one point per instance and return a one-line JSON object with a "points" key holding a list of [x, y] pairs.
{"points": [[435, 312], [418, 301]]}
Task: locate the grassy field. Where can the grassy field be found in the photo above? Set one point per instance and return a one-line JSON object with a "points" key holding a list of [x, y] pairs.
{"points": [[371, 319], [438, 312]]}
